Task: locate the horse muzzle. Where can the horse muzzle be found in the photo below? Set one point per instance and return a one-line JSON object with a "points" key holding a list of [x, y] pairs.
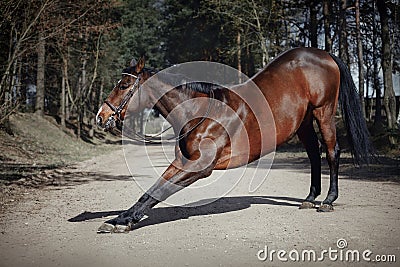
{"points": [[108, 125], [99, 121]]}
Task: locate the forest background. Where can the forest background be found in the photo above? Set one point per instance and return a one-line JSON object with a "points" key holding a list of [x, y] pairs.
{"points": [[61, 58]]}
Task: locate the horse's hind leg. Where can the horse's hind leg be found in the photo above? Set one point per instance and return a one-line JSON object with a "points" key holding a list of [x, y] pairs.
{"points": [[326, 122], [308, 137]]}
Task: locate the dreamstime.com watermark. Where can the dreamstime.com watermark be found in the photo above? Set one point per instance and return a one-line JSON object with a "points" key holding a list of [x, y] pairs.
{"points": [[339, 253]]}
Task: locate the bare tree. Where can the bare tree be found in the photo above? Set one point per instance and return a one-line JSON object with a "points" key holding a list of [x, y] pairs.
{"points": [[22, 33], [343, 44], [313, 26], [327, 25], [389, 96], [40, 90], [250, 14], [378, 92], [360, 57]]}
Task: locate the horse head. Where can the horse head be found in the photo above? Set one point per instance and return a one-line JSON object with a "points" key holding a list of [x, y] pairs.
{"points": [[127, 90]]}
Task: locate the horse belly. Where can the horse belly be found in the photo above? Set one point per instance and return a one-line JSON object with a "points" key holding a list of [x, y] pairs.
{"points": [[248, 144]]}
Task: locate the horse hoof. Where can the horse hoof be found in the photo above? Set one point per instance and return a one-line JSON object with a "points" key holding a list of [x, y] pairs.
{"points": [[107, 228], [325, 208], [307, 205]]}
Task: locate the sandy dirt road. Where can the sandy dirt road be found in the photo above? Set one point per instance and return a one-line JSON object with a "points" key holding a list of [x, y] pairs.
{"points": [[56, 226]]}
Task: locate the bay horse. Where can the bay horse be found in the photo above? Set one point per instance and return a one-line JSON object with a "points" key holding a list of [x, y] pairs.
{"points": [[300, 85]]}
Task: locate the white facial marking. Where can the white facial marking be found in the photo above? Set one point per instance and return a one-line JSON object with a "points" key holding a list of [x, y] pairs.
{"points": [[98, 112]]}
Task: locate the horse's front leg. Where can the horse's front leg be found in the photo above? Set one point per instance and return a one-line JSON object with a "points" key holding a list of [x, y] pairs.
{"points": [[177, 176]]}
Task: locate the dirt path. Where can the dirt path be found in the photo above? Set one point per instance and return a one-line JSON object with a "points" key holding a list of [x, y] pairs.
{"points": [[57, 226]]}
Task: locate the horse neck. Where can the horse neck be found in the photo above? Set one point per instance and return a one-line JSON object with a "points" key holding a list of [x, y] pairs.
{"points": [[172, 108]]}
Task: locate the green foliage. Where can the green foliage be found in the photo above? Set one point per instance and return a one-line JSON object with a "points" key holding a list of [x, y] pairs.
{"points": [[140, 32], [103, 36], [191, 34]]}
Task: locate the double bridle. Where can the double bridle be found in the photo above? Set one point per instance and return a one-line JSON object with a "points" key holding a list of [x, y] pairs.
{"points": [[117, 110], [144, 138], [136, 86]]}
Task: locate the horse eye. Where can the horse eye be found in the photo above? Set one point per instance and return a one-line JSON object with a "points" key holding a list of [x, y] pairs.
{"points": [[123, 86]]}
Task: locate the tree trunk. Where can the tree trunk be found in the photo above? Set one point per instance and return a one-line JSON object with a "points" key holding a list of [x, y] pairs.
{"points": [[79, 109], [313, 27], [360, 58], [386, 58], [68, 93], [67, 108], [21, 93], [343, 46], [82, 90], [248, 59], [13, 84], [368, 111], [62, 96], [100, 97], [4, 91], [398, 121], [262, 39], [9, 77], [41, 54], [264, 50], [239, 56], [91, 116], [327, 27], [378, 106], [91, 93]]}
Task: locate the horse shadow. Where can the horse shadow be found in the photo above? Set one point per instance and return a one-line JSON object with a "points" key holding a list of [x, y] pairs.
{"points": [[222, 205]]}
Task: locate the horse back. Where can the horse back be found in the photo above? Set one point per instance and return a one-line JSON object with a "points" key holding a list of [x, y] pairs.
{"points": [[298, 81]]}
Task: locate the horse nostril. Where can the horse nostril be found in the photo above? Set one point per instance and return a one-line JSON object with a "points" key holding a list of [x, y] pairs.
{"points": [[99, 121]]}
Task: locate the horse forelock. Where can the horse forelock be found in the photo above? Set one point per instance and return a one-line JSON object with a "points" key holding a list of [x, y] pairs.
{"points": [[129, 70]]}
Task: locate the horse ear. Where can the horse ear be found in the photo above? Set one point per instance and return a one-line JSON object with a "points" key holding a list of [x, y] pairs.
{"points": [[133, 62], [140, 65]]}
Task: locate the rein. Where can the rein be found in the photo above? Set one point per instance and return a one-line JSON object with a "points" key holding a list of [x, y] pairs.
{"points": [[144, 138]]}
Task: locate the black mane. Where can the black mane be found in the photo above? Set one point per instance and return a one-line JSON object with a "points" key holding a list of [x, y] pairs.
{"points": [[184, 82]]}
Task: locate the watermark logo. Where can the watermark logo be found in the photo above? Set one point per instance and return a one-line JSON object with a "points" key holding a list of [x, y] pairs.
{"points": [[339, 253], [341, 243]]}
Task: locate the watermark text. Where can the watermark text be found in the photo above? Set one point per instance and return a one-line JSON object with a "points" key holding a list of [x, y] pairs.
{"points": [[338, 253]]}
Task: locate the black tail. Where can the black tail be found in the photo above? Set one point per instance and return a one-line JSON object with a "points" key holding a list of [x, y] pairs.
{"points": [[357, 131]]}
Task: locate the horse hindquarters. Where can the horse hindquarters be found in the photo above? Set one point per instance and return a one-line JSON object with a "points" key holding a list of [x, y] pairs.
{"points": [[320, 88]]}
